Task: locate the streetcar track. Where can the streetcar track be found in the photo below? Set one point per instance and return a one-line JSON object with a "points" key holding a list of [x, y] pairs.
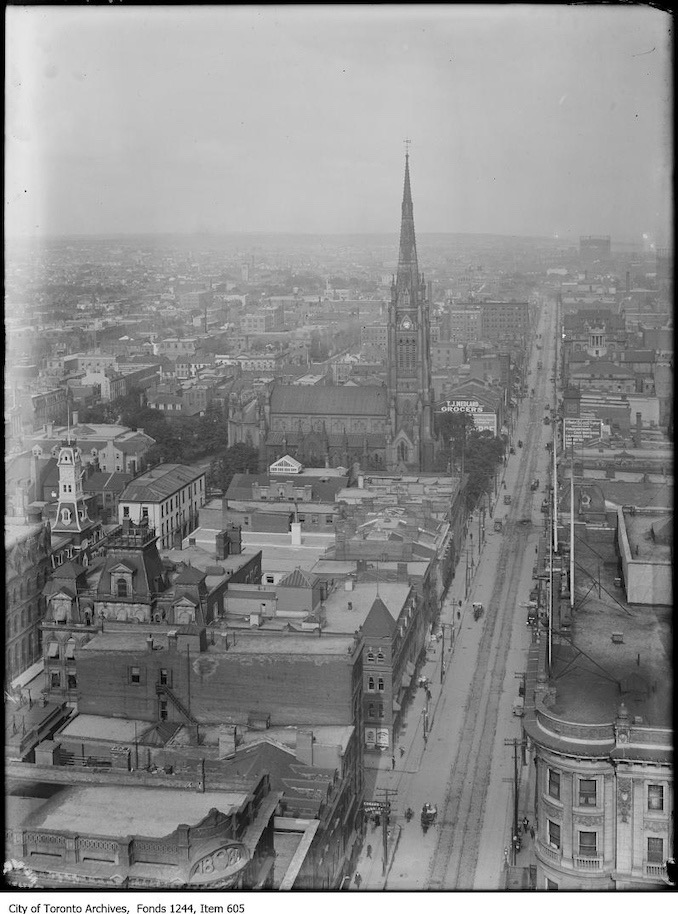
{"points": [[464, 804]]}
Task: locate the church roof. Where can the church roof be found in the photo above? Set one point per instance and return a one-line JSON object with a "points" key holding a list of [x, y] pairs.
{"points": [[379, 621], [293, 399]]}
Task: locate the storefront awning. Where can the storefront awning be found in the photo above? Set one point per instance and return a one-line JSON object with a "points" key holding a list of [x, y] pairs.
{"points": [[53, 649], [396, 705]]}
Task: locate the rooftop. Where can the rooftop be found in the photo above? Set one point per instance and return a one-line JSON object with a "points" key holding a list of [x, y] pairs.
{"points": [[591, 672], [160, 483], [153, 812], [342, 619]]}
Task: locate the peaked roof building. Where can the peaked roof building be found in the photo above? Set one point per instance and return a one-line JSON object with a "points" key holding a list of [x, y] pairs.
{"points": [[382, 426]]}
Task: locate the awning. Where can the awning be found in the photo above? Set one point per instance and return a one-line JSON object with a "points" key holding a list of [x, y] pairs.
{"points": [[396, 705], [53, 649], [70, 650]]}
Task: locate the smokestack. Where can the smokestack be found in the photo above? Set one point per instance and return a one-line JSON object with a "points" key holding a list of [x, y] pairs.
{"points": [[637, 430]]}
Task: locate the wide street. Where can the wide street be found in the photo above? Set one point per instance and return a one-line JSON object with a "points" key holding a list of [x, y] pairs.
{"points": [[464, 766]]}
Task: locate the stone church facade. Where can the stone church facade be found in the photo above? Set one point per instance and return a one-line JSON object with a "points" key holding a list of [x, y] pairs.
{"points": [[386, 427]]}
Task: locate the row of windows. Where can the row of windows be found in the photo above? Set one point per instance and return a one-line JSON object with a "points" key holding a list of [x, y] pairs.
{"points": [[164, 676], [587, 845], [380, 656], [587, 794], [55, 680], [375, 711], [380, 684]]}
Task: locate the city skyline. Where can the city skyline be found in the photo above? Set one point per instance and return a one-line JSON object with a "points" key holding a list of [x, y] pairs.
{"points": [[523, 120]]}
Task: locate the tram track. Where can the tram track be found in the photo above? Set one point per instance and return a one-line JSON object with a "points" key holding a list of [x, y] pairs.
{"points": [[460, 823]]}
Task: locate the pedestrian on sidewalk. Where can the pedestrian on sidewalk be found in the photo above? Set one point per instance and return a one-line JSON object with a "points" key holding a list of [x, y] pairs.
{"points": [[402, 751], [526, 824], [357, 879], [532, 832], [393, 763], [369, 851]]}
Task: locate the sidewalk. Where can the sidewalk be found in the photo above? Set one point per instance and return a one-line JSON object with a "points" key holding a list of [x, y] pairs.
{"points": [[522, 875], [380, 774]]}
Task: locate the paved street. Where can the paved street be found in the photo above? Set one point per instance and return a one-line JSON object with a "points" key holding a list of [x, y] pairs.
{"points": [[464, 766]]}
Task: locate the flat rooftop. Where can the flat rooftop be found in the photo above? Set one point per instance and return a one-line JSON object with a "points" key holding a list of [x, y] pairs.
{"points": [[114, 811], [115, 729], [592, 673], [646, 546], [342, 619]]}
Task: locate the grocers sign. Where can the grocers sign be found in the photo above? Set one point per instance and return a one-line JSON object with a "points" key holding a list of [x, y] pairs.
{"points": [[460, 406], [219, 864]]}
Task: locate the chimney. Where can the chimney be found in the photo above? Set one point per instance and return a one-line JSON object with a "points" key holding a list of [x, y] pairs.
{"points": [[402, 573], [149, 643], [74, 417], [637, 430], [234, 539], [50, 429], [172, 640], [227, 741], [361, 482], [222, 545], [305, 746], [295, 529]]}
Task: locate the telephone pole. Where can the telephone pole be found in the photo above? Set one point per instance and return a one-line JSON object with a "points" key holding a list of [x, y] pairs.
{"points": [[516, 832], [387, 794]]}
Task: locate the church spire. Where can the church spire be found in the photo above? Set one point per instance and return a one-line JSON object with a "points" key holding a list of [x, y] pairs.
{"points": [[408, 269]]}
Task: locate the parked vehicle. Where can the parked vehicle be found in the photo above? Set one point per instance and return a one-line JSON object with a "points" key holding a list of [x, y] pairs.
{"points": [[498, 525], [507, 499], [547, 421], [535, 485], [518, 707], [478, 610], [520, 443], [512, 450]]}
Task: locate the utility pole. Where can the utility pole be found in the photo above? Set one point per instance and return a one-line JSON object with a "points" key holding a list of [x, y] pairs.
{"points": [[387, 794], [516, 833]]}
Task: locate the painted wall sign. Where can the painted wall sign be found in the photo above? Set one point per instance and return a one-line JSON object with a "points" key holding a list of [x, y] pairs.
{"points": [[460, 406]]}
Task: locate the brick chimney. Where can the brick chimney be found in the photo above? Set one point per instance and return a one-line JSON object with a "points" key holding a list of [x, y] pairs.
{"points": [[222, 545], [637, 430], [305, 746]]}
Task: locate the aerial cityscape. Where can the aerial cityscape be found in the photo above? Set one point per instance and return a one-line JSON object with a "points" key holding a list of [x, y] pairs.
{"points": [[338, 450]]}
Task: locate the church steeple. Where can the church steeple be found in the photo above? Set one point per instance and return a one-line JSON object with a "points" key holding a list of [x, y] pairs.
{"points": [[408, 268]]}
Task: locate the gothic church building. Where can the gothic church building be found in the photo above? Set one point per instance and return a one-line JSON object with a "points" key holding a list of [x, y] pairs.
{"points": [[386, 427]]}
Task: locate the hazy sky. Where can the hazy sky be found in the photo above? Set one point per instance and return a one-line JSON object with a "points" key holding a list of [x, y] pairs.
{"points": [[523, 119]]}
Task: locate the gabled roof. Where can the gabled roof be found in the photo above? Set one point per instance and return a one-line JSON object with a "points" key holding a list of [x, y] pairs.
{"points": [[190, 575], [379, 621], [298, 578]]}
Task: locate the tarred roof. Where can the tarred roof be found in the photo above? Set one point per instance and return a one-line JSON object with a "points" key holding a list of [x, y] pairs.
{"points": [[329, 401]]}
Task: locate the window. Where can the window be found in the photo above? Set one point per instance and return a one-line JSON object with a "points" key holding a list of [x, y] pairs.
{"points": [[370, 684], [72, 681], [329, 519], [380, 710], [144, 512], [70, 650], [55, 681], [122, 587], [135, 675], [370, 711], [125, 512], [587, 844], [655, 850], [370, 655], [53, 650], [554, 784], [163, 709], [380, 656], [164, 677], [380, 684], [587, 793], [655, 797], [554, 833]]}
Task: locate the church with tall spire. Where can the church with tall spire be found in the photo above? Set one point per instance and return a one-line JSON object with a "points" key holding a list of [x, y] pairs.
{"points": [[412, 442], [386, 427]]}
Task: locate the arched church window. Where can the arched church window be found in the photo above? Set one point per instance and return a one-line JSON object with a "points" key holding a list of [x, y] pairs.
{"points": [[403, 452]]}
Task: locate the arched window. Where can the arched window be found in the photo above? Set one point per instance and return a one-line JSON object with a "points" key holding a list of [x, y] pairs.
{"points": [[380, 656], [370, 655], [122, 587], [403, 452], [370, 684], [380, 684]]}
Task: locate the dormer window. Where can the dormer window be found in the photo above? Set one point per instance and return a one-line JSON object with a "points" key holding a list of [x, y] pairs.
{"points": [[65, 516], [370, 655], [121, 587], [380, 656]]}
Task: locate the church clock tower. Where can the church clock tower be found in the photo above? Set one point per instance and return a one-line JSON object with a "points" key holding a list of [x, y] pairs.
{"points": [[412, 442]]}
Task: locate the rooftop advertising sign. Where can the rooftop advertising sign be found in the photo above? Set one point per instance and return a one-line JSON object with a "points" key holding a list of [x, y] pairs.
{"points": [[460, 406]]}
